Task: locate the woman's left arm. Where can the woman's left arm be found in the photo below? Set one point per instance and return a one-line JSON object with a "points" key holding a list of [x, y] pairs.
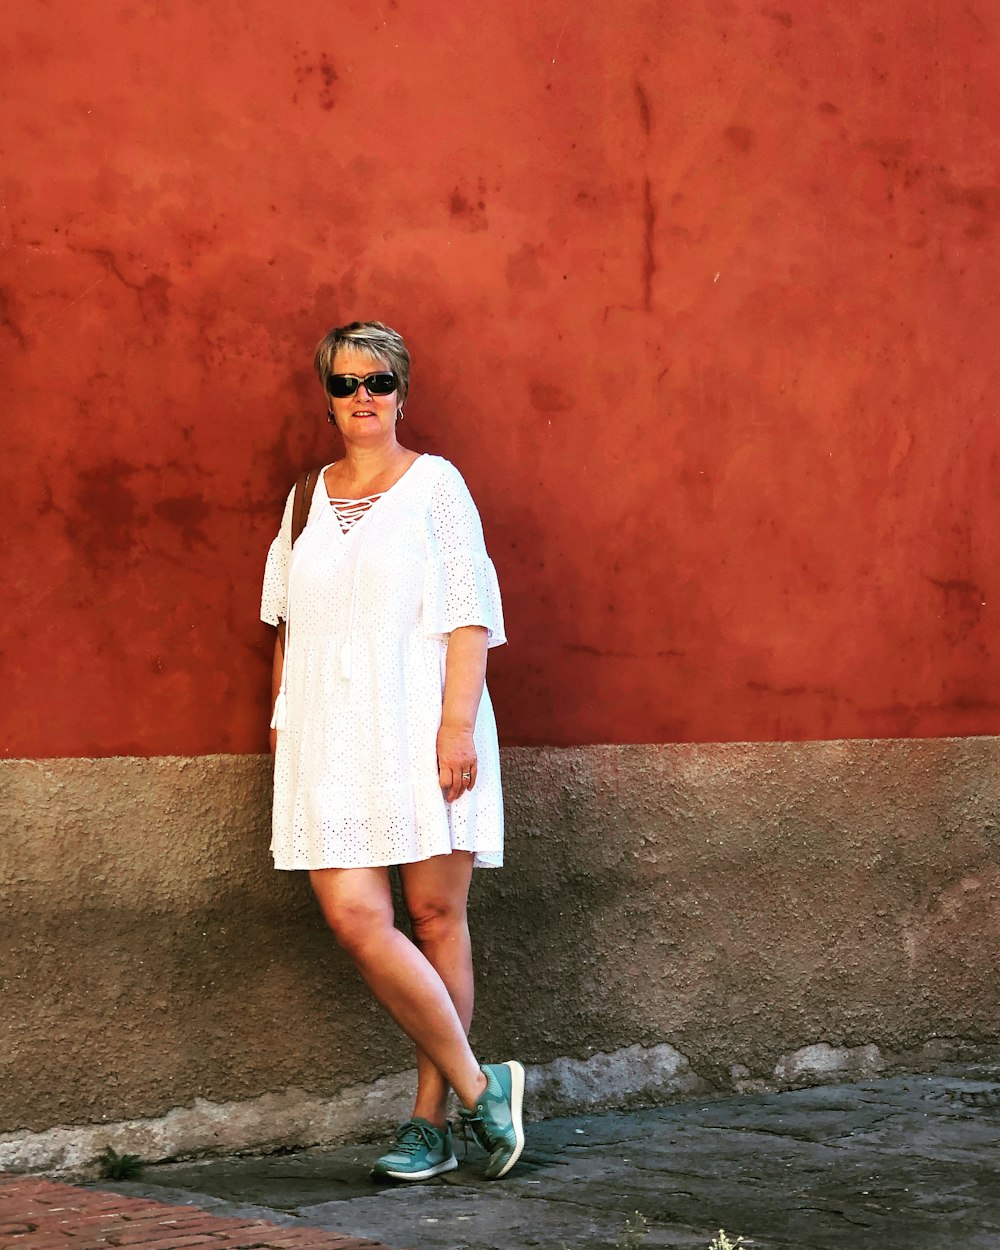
{"points": [[464, 675]]}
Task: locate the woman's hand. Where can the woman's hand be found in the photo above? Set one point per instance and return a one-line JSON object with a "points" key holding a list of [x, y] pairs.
{"points": [[465, 671], [456, 760]]}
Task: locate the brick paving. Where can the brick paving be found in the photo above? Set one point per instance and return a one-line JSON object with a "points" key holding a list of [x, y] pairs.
{"points": [[45, 1215]]}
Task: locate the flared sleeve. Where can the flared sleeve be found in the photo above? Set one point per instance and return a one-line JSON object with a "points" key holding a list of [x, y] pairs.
{"points": [[460, 582], [274, 596]]}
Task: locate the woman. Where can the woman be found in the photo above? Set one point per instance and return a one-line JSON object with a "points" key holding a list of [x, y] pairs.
{"points": [[384, 738]]}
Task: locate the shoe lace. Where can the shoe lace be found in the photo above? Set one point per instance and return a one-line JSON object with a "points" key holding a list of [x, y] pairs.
{"points": [[412, 1137], [468, 1123]]}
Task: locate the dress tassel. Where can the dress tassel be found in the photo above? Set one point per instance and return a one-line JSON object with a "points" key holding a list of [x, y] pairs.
{"points": [[278, 719]]}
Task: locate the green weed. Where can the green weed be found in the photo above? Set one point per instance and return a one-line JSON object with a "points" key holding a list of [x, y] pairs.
{"points": [[633, 1234], [116, 1167], [722, 1242]]}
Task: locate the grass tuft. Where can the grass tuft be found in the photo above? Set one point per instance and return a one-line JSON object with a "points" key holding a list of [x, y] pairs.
{"points": [[633, 1234], [636, 1226], [722, 1242], [116, 1167]]}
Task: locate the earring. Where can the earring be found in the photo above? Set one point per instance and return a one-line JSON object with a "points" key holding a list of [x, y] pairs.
{"points": [[399, 413], [330, 417]]}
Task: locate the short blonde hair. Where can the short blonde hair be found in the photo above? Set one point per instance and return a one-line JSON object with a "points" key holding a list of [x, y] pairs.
{"points": [[371, 338]]}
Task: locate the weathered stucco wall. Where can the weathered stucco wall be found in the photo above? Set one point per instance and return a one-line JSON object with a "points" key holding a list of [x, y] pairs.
{"points": [[702, 298], [734, 902]]}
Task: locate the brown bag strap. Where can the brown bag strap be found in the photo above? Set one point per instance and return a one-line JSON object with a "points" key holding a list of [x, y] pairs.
{"points": [[304, 489]]}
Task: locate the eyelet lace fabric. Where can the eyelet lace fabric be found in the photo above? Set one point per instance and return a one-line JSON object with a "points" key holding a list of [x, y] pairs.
{"points": [[368, 614]]}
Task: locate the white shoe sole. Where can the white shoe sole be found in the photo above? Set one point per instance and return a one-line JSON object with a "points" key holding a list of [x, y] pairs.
{"points": [[516, 1113], [425, 1175]]}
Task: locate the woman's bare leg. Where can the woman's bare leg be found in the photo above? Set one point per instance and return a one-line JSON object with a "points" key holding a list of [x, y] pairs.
{"points": [[357, 905], [436, 893]]}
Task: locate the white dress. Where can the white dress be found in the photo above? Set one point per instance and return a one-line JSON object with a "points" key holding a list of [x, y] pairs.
{"points": [[368, 617]]}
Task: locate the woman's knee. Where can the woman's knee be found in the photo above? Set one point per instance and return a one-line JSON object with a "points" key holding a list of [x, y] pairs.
{"points": [[437, 917], [355, 924], [355, 917], [436, 893]]}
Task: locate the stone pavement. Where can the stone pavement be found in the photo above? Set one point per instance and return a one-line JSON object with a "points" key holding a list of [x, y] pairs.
{"points": [[905, 1163]]}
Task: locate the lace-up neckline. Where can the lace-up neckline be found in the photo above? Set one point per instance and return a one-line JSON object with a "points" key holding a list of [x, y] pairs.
{"points": [[350, 511]]}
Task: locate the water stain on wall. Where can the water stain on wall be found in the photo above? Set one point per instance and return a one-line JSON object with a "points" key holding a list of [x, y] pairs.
{"points": [[781, 16], [468, 208], [320, 76], [741, 137], [548, 398], [982, 200], [962, 607], [151, 291], [9, 318], [103, 522], [645, 112], [648, 243], [525, 269], [188, 513]]}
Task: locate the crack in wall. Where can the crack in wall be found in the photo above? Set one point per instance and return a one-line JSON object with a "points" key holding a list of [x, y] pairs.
{"points": [[648, 244]]}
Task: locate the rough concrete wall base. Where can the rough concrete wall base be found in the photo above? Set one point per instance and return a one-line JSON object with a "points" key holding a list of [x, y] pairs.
{"points": [[633, 1077], [734, 903], [290, 1118]]}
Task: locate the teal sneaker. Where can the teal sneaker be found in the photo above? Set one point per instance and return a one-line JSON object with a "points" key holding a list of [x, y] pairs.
{"points": [[419, 1152], [495, 1120]]}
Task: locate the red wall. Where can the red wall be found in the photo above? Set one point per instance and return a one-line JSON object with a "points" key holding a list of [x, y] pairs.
{"points": [[702, 298]]}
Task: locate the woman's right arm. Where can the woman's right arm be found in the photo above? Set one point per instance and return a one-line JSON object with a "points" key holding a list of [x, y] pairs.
{"points": [[274, 598], [277, 668]]}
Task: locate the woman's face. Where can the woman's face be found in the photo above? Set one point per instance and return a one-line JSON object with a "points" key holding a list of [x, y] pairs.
{"points": [[361, 416]]}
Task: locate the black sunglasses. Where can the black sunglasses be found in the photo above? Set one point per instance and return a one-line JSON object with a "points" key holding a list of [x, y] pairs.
{"points": [[340, 385]]}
